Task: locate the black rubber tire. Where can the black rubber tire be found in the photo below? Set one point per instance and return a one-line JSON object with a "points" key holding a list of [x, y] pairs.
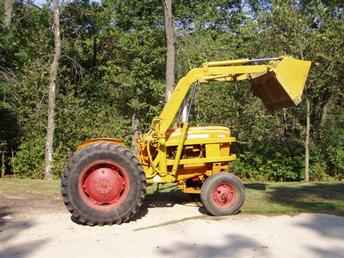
{"points": [[208, 188], [85, 214]]}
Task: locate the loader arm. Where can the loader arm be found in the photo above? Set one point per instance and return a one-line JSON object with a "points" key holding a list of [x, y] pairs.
{"points": [[104, 183], [279, 82]]}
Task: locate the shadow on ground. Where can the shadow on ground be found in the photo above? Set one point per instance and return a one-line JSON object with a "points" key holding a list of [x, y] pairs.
{"points": [[328, 253], [10, 228], [170, 196], [256, 186], [315, 198], [328, 227], [233, 245]]}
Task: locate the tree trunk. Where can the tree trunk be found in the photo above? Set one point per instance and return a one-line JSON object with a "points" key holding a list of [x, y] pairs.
{"points": [[2, 164], [94, 58], [171, 50], [324, 113], [8, 6], [285, 123], [135, 129], [52, 91], [308, 126]]}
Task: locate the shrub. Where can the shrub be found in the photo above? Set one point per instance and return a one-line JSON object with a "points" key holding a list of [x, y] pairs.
{"points": [[334, 150], [29, 159]]}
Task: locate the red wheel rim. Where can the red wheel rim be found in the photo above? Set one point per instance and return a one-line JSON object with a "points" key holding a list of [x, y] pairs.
{"points": [[223, 195], [103, 185]]}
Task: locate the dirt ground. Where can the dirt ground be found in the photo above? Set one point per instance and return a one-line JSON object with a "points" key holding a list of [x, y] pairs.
{"points": [[43, 229]]}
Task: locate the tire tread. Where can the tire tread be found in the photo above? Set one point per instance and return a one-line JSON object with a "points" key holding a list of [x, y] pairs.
{"points": [[84, 154]]}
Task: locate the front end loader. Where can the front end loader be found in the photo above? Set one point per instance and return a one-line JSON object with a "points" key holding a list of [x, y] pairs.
{"points": [[105, 183]]}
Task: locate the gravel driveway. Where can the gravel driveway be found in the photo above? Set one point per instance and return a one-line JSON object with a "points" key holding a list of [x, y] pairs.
{"points": [[179, 231]]}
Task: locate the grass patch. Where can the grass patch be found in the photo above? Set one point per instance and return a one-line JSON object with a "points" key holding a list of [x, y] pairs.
{"points": [[261, 198], [15, 186], [291, 198]]}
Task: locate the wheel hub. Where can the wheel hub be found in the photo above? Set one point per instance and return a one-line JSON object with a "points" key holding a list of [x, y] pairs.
{"points": [[223, 195], [104, 185]]}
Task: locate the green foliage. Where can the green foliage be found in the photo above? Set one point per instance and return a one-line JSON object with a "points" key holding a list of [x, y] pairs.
{"points": [[318, 172], [334, 138], [28, 161], [112, 69], [270, 161], [9, 129]]}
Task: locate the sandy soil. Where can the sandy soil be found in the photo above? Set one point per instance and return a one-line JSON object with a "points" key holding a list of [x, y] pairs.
{"points": [[179, 231]]}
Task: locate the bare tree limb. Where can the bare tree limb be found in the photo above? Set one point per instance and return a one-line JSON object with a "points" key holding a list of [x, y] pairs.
{"points": [[52, 91]]}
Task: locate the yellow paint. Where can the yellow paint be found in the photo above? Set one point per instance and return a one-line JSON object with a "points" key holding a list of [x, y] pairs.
{"points": [[292, 75], [98, 140], [178, 153], [283, 85], [180, 147]]}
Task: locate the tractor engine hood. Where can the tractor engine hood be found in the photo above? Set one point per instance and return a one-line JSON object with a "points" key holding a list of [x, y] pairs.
{"points": [[200, 134]]}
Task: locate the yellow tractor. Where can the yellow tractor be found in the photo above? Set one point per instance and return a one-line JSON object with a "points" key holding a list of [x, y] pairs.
{"points": [[105, 183]]}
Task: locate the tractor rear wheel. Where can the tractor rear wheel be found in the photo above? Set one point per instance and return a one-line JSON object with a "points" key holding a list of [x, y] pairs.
{"points": [[103, 184], [222, 194]]}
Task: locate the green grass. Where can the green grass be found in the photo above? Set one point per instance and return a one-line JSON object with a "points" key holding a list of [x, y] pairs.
{"points": [[14, 186], [261, 198], [291, 198]]}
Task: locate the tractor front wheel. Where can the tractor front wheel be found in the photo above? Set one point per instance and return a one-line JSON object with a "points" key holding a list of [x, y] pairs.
{"points": [[103, 184], [222, 194]]}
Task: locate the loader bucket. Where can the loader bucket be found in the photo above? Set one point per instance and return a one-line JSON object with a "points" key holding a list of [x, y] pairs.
{"points": [[283, 85]]}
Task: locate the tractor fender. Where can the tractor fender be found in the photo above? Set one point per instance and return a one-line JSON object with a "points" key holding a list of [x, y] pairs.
{"points": [[98, 140]]}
